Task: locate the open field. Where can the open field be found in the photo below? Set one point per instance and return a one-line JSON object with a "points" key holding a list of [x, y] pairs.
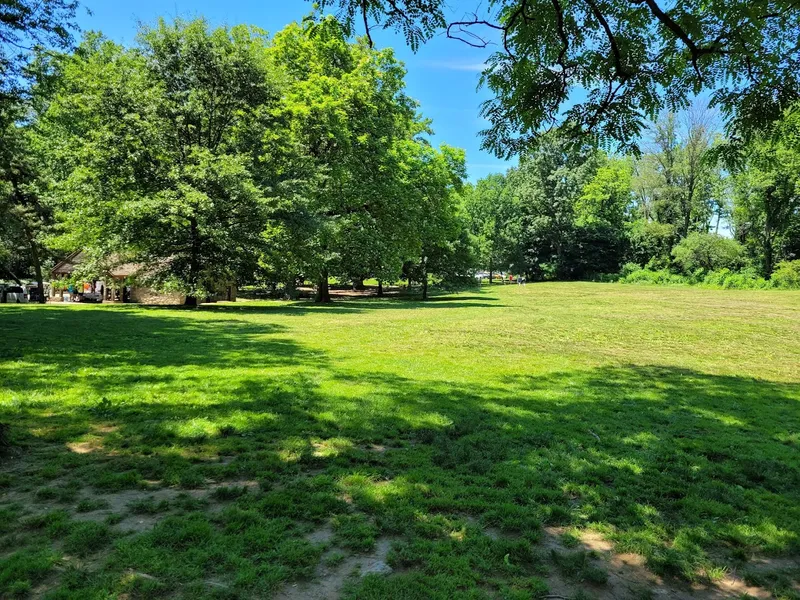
{"points": [[566, 440]]}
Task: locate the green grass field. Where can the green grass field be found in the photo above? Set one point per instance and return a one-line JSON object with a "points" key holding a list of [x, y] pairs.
{"points": [[511, 442]]}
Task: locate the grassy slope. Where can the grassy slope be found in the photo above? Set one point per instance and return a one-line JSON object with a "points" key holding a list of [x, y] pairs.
{"points": [[668, 418]]}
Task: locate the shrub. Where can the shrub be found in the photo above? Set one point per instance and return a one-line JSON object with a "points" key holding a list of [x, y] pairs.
{"points": [[662, 277], [787, 275], [747, 279], [708, 251], [628, 268], [650, 241]]}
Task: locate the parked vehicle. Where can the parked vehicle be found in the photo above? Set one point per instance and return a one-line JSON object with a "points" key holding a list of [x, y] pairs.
{"points": [[14, 294]]}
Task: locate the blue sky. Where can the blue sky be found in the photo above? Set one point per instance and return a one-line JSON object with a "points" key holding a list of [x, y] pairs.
{"points": [[442, 75]]}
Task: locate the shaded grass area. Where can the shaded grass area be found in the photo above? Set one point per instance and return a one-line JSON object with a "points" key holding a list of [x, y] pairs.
{"points": [[666, 419]]}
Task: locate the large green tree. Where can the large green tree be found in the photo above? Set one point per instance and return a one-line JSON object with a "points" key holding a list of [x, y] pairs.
{"points": [[347, 114], [433, 179], [766, 214], [546, 187], [152, 149], [491, 216], [25, 215], [27, 27]]}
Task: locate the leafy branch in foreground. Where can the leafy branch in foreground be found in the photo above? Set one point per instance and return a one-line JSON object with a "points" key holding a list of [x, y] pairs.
{"points": [[631, 59]]}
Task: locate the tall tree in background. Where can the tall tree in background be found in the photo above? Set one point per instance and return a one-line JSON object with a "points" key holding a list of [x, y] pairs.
{"points": [[25, 217], [434, 179], [491, 214], [347, 110], [766, 211], [149, 147], [678, 186], [546, 187], [26, 27], [635, 59], [684, 172], [600, 214]]}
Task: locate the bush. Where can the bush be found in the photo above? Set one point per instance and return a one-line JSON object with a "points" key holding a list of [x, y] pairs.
{"points": [[787, 275], [629, 268], [746, 279], [650, 241], [662, 277], [708, 251]]}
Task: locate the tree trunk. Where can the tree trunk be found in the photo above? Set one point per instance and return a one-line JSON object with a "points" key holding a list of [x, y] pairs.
{"points": [[686, 220], [290, 289], [491, 273], [380, 287], [769, 258], [323, 292], [37, 266], [424, 279], [358, 284], [194, 263], [408, 287]]}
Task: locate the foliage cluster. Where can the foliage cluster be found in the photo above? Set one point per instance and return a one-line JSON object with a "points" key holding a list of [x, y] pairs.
{"points": [[568, 213], [215, 155]]}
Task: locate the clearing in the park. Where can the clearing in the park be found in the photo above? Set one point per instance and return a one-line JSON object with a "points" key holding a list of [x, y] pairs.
{"points": [[565, 440]]}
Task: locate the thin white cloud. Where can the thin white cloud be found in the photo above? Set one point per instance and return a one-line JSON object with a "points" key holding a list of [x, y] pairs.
{"points": [[454, 65]]}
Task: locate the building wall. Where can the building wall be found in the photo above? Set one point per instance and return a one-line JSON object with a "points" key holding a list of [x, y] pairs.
{"points": [[143, 295]]}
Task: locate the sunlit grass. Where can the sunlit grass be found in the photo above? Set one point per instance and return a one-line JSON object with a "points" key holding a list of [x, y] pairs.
{"points": [[665, 418]]}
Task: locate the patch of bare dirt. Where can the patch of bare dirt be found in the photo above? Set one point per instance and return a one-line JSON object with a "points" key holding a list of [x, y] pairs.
{"points": [[322, 535], [328, 581], [628, 576]]}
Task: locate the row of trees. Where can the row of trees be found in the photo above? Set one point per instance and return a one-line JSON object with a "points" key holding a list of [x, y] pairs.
{"points": [[218, 155], [576, 212], [209, 156]]}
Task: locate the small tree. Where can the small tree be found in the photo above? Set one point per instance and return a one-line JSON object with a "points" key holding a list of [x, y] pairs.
{"points": [[708, 251]]}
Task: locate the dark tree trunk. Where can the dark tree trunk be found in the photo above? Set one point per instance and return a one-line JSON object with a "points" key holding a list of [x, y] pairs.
{"points": [[491, 273], [408, 287], [687, 215], [194, 263], [37, 267], [290, 289], [358, 284], [424, 279], [769, 258], [380, 288], [323, 292]]}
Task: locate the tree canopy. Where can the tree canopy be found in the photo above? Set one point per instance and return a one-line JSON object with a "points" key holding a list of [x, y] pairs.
{"points": [[212, 155], [630, 61]]}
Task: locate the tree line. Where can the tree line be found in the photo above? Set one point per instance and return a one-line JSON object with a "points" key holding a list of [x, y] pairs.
{"points": [[211, 155], [692, 204], [216, 155]]}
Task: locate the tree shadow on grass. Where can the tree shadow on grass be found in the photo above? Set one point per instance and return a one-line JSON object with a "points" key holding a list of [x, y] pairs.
{"points": [[688, 469]]}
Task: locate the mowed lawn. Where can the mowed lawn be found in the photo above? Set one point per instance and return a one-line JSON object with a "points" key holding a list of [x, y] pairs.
{"points": [[502, 443]]}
